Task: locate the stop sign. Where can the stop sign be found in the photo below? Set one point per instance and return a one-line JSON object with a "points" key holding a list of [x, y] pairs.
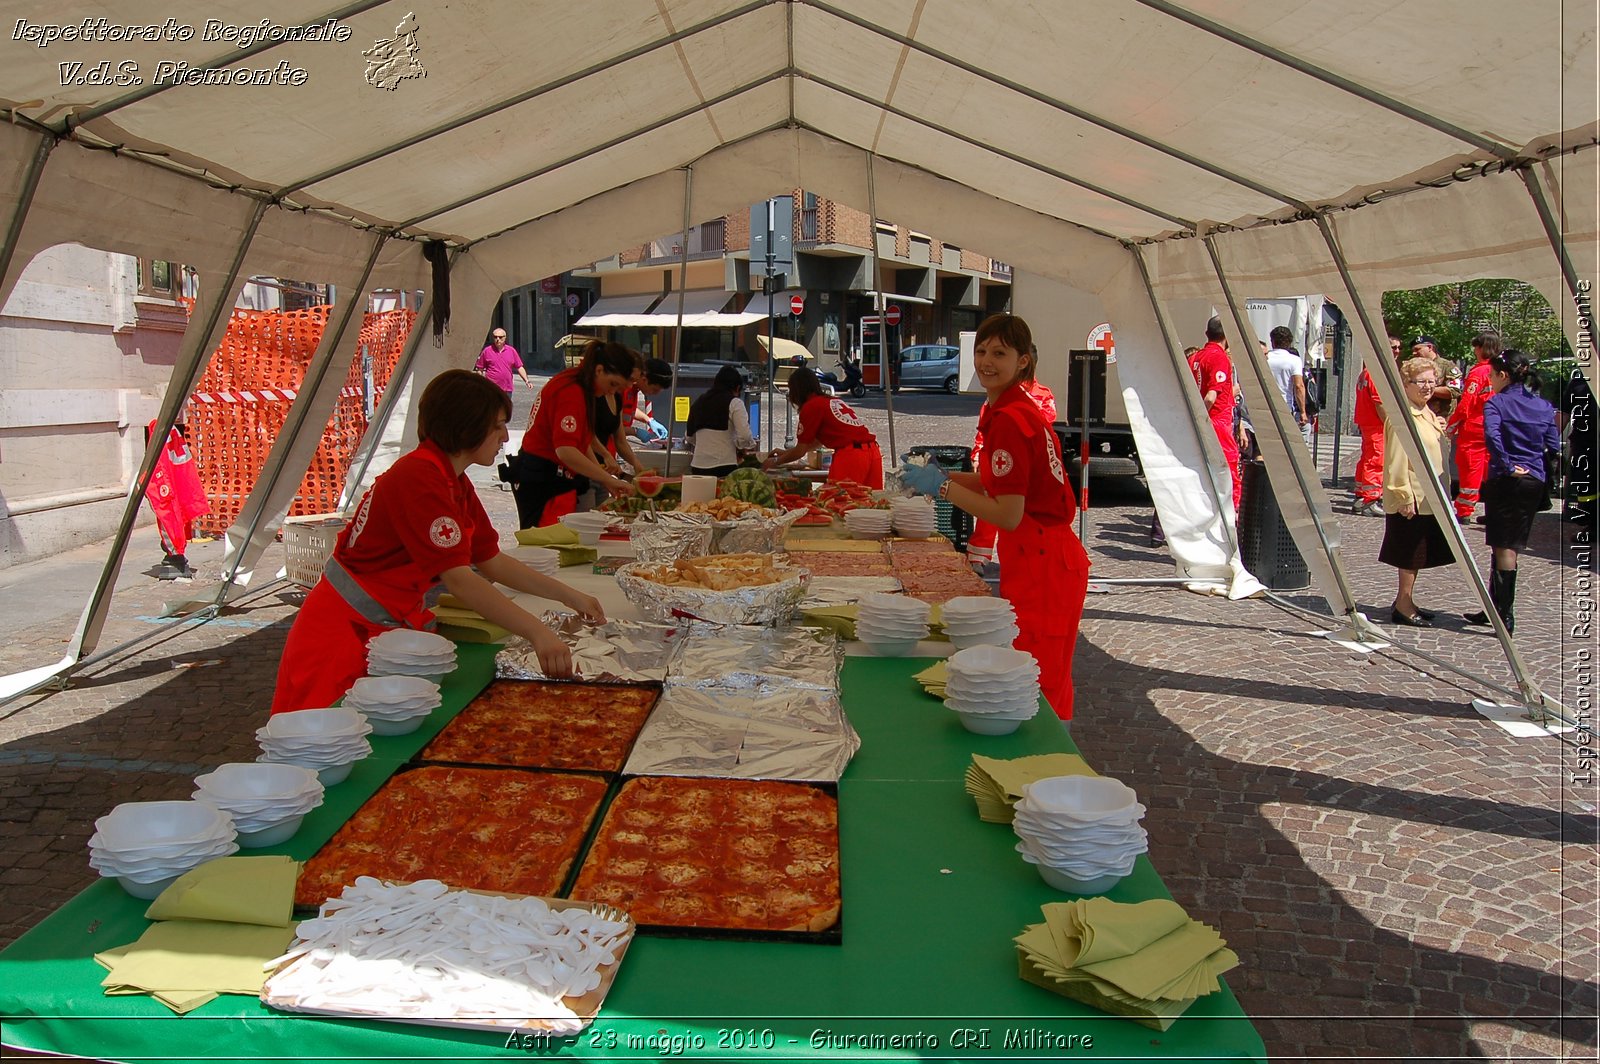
{"points": [[892, 315], [797, 304]]}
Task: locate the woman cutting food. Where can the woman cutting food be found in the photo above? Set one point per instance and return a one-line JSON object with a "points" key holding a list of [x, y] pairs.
{"points": [[418, 525], [828, 422], [557, 459], [1021, 489]]}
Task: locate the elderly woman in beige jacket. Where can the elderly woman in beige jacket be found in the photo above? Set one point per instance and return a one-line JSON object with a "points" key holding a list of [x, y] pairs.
{"points": [[1412, 537]]}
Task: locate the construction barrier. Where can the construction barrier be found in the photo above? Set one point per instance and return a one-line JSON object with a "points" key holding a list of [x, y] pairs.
{"points": [[242, 401]]}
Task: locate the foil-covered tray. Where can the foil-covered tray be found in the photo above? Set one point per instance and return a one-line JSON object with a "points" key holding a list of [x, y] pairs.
{"points": [[763, 604], [739, 657], [615, 652], [668, 536], [843, 590], [766, 732], [753, 535]]}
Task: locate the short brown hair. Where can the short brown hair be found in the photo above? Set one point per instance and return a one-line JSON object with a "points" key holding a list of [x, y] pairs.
{"points": [[1015, 334], [457, 410]]}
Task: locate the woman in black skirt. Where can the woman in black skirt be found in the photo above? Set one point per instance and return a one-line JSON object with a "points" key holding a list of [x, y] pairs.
{"points": [[1412, 538], [1519, 429]]}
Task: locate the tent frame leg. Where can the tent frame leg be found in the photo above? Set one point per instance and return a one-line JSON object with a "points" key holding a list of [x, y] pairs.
{"points": [[677, 336], [1392, 392], [19, 215], [886, 362]]}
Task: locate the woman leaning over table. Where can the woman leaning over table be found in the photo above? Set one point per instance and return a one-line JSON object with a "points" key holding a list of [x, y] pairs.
{"points": [[719, 426], [557, 460], [1412, 537], [1021, 489], [418, 525], [829, 422], [1519, 429]]}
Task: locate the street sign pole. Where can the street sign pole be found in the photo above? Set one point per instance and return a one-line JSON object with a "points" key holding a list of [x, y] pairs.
{"points": [[771, 258]]}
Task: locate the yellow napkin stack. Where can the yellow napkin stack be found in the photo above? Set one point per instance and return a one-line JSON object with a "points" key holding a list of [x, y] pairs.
{"points": [[1146, 961], [840, 620], [933, 678], [216, 927], [548, 536], [803, 539], [460, 622], [997, 784]]}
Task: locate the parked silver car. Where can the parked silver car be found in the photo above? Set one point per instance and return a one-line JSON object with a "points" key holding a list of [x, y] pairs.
{"points": [[931, 366]]}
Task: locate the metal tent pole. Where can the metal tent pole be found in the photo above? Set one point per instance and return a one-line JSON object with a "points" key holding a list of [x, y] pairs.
{"points": [[886, 373], [19, 214], [677, 337], [1393, 394]]}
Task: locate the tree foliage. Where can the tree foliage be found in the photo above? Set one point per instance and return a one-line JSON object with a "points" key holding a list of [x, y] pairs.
{"points": [[1454, 313]]}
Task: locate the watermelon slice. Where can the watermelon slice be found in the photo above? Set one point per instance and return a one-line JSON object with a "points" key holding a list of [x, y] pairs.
{"points": [[650, 486]]}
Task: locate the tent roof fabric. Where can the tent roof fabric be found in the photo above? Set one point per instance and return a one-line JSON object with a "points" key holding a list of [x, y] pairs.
{"points": [[1214, 111]]}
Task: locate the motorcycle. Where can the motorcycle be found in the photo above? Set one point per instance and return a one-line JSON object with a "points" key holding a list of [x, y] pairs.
{"points": [[850, 381]]}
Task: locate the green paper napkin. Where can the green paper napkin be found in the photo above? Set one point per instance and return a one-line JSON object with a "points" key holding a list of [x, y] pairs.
{"points": [[549, 536]]}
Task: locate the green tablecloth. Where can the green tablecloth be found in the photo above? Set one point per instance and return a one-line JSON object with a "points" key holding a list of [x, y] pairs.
{"points": [[932, 897]]}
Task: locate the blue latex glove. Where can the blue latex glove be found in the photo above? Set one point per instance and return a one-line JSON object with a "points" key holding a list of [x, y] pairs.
{"points": [[926, 479]]}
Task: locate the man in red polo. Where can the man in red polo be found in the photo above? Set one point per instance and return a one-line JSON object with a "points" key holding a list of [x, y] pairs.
{"points": [[1213, 374]]}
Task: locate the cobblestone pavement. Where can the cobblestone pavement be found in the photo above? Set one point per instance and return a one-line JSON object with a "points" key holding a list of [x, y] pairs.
{"points": [[1400, 876]]}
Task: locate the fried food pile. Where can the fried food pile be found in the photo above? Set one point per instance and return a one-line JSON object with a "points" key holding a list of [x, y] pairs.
{"points": [[714, 572]]}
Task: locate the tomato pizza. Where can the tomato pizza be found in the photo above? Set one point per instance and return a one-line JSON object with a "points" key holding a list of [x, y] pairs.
{"points": [[745, 855], [478, 828], [546, 725]]}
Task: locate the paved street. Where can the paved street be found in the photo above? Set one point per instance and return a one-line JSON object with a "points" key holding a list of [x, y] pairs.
{"points": [[1400, 876]]}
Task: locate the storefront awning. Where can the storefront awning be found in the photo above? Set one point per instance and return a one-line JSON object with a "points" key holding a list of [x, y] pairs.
{"points": [[621, 310], [697, 303]]}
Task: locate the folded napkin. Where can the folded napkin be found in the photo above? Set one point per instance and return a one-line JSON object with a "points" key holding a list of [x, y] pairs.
{"points": [[466, 626], [549, 536], [840, 620], [1146, 960], [239, 890], [185, 963], [933, 678], [997, 784], [810, 541], [574, 554]]}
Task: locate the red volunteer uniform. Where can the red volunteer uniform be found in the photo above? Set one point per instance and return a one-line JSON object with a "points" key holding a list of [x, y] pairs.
{"points": [[175, 492], [980, 545], [560, 419], [416, 521], [1044, 572], [1369, 419], [1472, 455], [831, 423], [1213, 371]]}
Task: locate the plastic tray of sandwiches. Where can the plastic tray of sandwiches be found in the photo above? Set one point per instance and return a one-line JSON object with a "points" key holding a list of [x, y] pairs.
{"points": [[428, 954], [745, 588]]}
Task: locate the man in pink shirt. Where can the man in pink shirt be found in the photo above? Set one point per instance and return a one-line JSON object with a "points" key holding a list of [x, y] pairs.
{"points": [[499, 360]]}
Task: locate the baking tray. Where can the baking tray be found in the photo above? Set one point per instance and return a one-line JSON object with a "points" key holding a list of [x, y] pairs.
{"points": [[833, 936], [608, 773], [587, 1006]]}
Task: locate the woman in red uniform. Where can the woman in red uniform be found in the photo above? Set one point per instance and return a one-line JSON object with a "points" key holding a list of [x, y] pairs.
{"points": [[418, 525], [557, 460], [831, 423], [1021, 489], [981, 544]]}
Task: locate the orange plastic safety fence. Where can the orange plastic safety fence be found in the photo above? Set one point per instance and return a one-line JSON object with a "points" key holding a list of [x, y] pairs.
{"points": [[242, 401]]}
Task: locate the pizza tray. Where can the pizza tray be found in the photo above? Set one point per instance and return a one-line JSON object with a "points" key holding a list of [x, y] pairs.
{"points": [[587, 1006], [833, 936]]}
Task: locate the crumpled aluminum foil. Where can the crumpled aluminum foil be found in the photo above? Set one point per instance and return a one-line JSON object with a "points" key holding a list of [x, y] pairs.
{"points": [[843, 590], [767, 732], [732, 657], [753, 535], [668, 536], [615, 652], [764, 604]]}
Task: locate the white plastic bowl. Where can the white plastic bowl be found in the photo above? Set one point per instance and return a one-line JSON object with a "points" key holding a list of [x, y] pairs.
{"points": [[384, 690], [252, 780], [401, 726], [272, 834], [990, 660], [141, 825], [1080, 797], [897, 648], [1003, 638], [407, 642], [147, 891], [982, 724], [1060, 880], [316, 723]]}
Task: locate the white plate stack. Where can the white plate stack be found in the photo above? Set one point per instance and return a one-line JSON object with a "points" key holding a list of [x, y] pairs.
{"points": [[147, 845], [866, 523], [327, 741], [890, 625], [394, 705], [267, 802], [588, 525], [405, 652], [913, 518], [979, 620], [1081, 832], [539, 559], [992, 689]]}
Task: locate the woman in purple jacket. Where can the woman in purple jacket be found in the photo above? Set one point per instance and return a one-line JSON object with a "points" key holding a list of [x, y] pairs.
{"points": [[1519, 428]]}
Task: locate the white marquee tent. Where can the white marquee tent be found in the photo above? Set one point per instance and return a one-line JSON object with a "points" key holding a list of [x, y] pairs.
{"points": [[1166, 157]]}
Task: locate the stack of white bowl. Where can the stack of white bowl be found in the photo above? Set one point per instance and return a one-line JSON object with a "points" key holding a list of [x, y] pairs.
{"points": [[890, 625], [405, 652], [979, 620], [1081, 832], [327, 741], [588, 525], [267, 802], [147, 845], [539, 559], [868, 523], [913, 518], [993, 689], [394, 705]]}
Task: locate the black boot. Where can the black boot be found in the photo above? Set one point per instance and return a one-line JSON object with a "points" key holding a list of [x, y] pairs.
{"points": [[1503, 591]]}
